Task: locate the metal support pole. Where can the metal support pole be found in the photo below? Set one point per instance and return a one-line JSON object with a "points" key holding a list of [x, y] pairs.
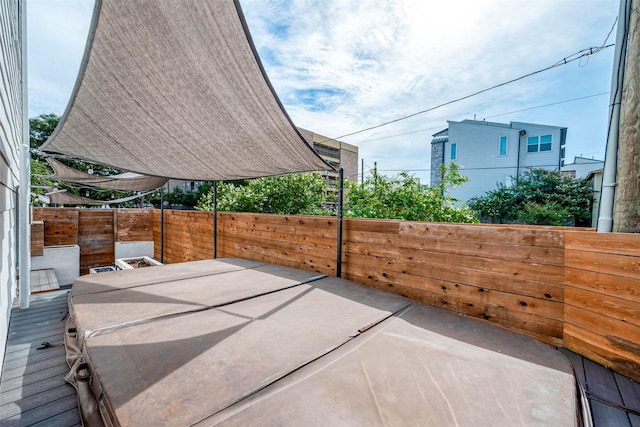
{"points": [[215, 219], [24, 232], [162, 224], [340, 206], [607, 196], [362, 171]]}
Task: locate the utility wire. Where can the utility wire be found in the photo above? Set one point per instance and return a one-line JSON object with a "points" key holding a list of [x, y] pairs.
{"points": [[486, 117], [462, 169], [573, 57], [548, 105]]}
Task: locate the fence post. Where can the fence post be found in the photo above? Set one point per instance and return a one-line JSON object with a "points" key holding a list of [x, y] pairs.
{"points": [[215, 219], [340, 205], [162, 224]]}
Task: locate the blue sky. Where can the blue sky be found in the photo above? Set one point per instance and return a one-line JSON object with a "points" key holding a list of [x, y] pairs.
{"points": [[344, 65]]}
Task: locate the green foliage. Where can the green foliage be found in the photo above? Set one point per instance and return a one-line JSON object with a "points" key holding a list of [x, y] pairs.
{"points": [[297, 194], [544, 214], [40, 128], [538, 197], [403, 197]]}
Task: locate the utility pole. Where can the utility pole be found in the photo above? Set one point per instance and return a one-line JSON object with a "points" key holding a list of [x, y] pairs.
{"points": [[626, 212]]}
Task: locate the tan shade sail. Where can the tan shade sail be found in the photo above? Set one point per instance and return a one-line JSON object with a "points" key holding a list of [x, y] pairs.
{"points": [[64, 198], [176, 89], [127, 181]]}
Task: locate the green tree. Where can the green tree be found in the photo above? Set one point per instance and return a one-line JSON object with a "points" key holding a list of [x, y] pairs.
{"points": [[538, 197], [40, 128], [296, 194], [403, 197]]}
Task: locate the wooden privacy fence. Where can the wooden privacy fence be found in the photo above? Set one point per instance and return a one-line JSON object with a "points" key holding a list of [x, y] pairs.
{"points": [[94, 230], [563, 286]]}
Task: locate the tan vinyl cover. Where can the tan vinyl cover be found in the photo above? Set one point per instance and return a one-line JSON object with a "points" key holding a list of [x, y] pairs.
{"points": [[232, 342], [127, 181], [176, 89]]}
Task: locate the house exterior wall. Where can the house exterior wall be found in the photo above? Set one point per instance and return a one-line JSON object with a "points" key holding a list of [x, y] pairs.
{"points": [[479, 158], [337, 153], [583, 167], [10, 139], [437, 158]]}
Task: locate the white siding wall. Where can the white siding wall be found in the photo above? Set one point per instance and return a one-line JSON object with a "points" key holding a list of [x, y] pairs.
{"points": [[478, 145], [10, 138], [545, 159], [478, 157]]}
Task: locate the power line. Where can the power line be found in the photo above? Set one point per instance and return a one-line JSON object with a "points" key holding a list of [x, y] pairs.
{"points": [[573, 57], [462, 169], [548, 105], [486, 117]]}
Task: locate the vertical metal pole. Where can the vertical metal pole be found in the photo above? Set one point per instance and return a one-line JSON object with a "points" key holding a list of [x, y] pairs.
{"points": [[162, 224], [340, 206], [215, 219], [607, 195], [24, 232], [362, 170]]}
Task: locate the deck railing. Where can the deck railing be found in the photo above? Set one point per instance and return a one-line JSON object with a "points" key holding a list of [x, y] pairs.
{"points": [[564, 286]]}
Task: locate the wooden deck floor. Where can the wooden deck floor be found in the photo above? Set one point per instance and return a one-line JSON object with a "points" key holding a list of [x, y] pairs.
{"points": [[44, 280], [33, 391], [613, 398]]}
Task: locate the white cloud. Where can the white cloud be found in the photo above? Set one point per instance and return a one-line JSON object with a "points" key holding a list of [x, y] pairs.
{"points": [[344, 65], [387, 59]]}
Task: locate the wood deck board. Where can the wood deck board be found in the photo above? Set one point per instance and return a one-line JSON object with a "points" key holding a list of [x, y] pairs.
{"points": [[44, 280], [604, 383], [630, 391], [32, 387]]}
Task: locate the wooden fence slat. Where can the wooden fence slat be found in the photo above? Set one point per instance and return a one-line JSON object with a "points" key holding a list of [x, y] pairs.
{"points": [[529, 236], [606, 305], [488, 280], [516, 269], [620, 334], [96, 238], [608, 243], [523, 253], [37, 238], [602, 350], [618, 265], [134, 225], [384, 226], [622, 287], [60, 225], [546, 330]]}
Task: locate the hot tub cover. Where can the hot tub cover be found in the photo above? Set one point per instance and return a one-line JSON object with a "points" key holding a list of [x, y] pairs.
{"points": [[241, 343], [176, 89]]}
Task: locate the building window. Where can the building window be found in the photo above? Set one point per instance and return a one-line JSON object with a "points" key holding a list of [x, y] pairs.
{"points": [[541, 143], [327, 151], [545, 143], [454, 151], [503, 146]]}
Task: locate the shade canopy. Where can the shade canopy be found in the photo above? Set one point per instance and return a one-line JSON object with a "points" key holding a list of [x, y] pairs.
{"points": [[176, 89], [127, 181], [65, 198]]}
